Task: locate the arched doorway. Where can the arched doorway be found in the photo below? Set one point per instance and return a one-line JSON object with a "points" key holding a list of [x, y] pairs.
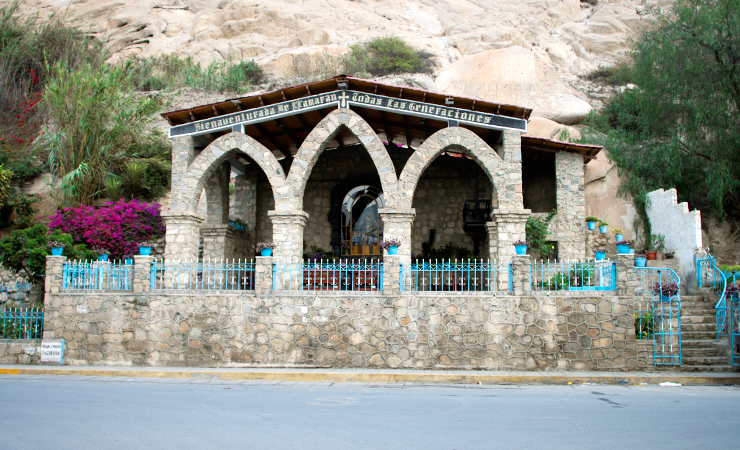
{"points": [[362, 229]]}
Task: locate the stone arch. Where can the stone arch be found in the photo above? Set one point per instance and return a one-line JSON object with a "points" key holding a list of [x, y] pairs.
{"points": [[459, 138], [211, 158], [321, 135]]}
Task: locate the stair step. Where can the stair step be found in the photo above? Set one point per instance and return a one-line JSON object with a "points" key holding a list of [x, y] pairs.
{"points": [[705, 360], [699, 343], [708, 327], [717, 368], [689, 352], [698, 335], [698, 319]]}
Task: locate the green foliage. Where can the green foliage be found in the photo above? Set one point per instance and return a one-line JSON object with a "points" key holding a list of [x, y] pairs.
{"points": [[98, 124], [644, 326], [616, 75], [592, 219], [657, 243], [169, 71], [25, 250], [678, 128], [385, 56], [6, 176], [537, 233]]}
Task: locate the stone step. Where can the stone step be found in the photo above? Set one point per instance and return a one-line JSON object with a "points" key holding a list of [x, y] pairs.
{"points": [[698, 319], [699, 343], [708, 327], [705, 360], [694, 298], [699, 312], [717, 368], [696, 335], [688, 352]]}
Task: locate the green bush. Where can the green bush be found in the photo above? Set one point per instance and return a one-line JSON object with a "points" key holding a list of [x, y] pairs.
{"points": [[537, 234], [385, 56]]}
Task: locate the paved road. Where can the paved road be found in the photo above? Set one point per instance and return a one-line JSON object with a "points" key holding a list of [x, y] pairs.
{"points": [[52, 412]]}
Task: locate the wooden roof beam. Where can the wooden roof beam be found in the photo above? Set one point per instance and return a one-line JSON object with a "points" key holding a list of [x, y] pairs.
{"points": [[268, 136]]}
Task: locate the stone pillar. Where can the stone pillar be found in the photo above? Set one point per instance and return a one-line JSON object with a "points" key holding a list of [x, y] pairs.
{"points": [[54, 269], [183, 235], [183, 152], [244, 206], [625, 275], [512, 146], [142, 281], [397, 225], [521, 282], [217, 195], [567, 227], [263, 275], [287, 233], [218, 241], [392, 274], [509, 227]]}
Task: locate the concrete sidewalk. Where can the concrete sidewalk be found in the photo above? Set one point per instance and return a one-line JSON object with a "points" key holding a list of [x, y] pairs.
{"points": [[320, 375]]}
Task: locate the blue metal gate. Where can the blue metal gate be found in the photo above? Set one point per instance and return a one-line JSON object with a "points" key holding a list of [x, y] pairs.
{"points": [[666, 313]]}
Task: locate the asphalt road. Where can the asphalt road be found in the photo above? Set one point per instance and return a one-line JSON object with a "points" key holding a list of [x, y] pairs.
{"points": [[54, 412]]}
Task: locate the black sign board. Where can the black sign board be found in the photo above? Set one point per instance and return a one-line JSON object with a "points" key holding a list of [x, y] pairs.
{"points": [[345, 99]]}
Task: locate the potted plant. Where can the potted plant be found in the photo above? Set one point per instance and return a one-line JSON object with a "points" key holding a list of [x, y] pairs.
{"points": [[145, 248], [618, 233], [623, 247], [733, 292], [391, 245], [640, 260], [666, 291], [102, 253], [603, 226], [56, 248], [658, 244], [600, 253], [265, 248], [521, 247], [592, 222]]}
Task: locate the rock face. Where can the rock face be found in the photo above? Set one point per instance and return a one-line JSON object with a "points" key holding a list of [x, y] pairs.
{"points": [[517, 51]]}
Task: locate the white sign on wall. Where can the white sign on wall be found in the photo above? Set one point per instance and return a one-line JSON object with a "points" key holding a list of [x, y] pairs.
{"points": [[52, 350]]}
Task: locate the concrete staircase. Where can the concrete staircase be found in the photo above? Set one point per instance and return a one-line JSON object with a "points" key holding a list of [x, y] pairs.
{"points": [[701, 351]]}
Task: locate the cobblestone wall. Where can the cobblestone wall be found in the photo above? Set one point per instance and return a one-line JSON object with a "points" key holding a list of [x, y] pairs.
{"points": [[19, 351], [545, 332]]}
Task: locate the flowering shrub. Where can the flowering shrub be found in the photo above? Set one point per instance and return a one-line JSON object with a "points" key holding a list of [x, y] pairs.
{"points": [[388, 243], [629, 242], [264, 245], [521, 242], [117, 226], [666, 289]]}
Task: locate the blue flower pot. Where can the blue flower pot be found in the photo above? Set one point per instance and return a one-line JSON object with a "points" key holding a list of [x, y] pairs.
{"points": [[521, 249], [102, 257], [600, 255], [145, 251], [266, 252], [640, 262], [622, 249], [393, 250], [665, 298], [620, 237], [591, 225], [632, 251], [57, 251], [603, 229]]}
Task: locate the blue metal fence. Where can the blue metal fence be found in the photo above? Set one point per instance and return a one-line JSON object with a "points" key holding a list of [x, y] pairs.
{"points": [[581, 275], [705, 273], [217, 275], [97, 275], [21, 323], [727, 309], [457, 276], [336, 275], [664, 311]]}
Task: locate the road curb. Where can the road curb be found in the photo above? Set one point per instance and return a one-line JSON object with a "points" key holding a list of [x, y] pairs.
{"points": [[391, 377]]}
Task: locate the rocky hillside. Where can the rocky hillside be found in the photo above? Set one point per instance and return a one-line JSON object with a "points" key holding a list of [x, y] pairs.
{"points": [[528, 52]]}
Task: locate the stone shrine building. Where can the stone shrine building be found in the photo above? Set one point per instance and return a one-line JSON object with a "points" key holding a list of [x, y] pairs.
{"points": [[341, 164]]}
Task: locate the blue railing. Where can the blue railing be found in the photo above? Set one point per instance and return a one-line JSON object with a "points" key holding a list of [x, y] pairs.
{"points": [[457, 276], [21, 323], [336, 275], [97, 275], [15, 293], [705, 274], [734, 321], [584, 275], [664, 312], [194, 275]]}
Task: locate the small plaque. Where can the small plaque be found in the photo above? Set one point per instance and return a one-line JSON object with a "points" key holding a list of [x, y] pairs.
{"points": [[81, 309], [52, 350]]}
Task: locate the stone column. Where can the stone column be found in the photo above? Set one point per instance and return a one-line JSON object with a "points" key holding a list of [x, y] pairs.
{"points": [[625, 275], [183, 153], [218, 241], [521, 282], [263, 275], [183, 235], [217, 195], [244, 207], [567, 227], [392, 274], [142, 281], [287, 233], [508, 226], [512, 146], [54, 269], [397, 225]]}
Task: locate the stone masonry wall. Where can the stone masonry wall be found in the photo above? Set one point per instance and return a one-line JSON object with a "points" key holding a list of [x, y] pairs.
{"points": [[567, 227], [423, 330]]}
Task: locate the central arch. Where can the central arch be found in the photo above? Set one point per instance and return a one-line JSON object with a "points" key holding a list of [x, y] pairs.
{"points": [[316, 142]]}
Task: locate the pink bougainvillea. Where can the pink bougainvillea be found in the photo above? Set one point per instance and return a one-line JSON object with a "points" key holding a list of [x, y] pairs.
{"points": [[116, 226]]}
